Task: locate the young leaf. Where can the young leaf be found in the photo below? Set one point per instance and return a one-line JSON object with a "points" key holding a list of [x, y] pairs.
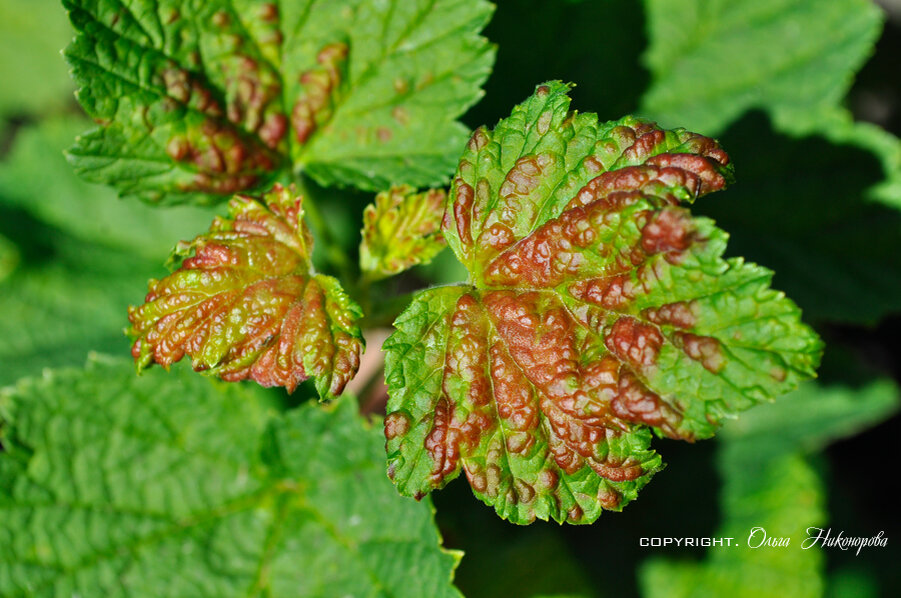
{"points": [[246, 303], [400, 230], [118, 486], [597, 308], [221, 97]]}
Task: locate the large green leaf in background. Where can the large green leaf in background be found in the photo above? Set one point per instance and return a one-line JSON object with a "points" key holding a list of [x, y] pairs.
{"points": [[768, 482], [712, 60], [118, 486], [82, 255], [210, 98], [812, 182]]}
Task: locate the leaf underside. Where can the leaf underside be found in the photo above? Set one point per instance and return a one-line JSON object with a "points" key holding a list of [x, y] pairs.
{"points": [[117, 486], [200, 100], [597, 309], [246, 304], [401, 229]]}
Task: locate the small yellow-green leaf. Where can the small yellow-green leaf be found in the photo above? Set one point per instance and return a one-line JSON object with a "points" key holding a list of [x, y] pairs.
{"points": [[401, 229]]}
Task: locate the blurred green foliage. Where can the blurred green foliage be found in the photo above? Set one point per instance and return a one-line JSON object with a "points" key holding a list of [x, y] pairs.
{"points": [[817, 199]]}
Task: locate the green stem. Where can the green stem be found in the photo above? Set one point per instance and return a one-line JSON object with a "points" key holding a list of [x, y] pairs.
{"points": [[334, 253]]}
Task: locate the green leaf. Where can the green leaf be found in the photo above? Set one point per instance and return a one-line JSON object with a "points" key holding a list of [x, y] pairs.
{"points": [[117, 486], [34, 74], [35, 177], [204, 101], [768, 483], [812, 417], [401, 229], [246, 303], [597, 308], [758, 498], [713, 60]]}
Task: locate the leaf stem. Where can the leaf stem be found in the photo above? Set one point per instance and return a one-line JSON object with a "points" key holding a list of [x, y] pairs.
{"points": [[333, 251]]}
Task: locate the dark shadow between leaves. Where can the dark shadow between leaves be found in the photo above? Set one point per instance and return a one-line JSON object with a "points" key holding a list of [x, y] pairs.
{"points": [[502, 558], [33, 239], [597, 45], [799, 208]]}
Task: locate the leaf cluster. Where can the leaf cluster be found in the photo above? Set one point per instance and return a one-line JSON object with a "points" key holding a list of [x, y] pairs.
{"points": [[591, 306]]}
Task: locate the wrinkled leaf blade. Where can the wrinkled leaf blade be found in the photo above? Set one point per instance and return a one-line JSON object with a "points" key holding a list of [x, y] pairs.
{"points": [[196, 104], [597, 308], [117, 486], [245, 303], [401, 229]]}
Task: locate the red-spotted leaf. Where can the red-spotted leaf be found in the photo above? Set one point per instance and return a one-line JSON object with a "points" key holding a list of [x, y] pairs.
{"points": [[401, 229], [597, 310], [246, 303], [205, 99]]}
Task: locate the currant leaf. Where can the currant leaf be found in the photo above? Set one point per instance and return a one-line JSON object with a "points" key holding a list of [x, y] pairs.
{"points": [[205, 101], [173, 485], [712, 62], [401, 229], [597, 308], [246, 303]]}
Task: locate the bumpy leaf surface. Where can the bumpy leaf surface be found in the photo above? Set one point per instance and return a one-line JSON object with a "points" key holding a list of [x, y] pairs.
{"points": [[210, 98], [118, 486], [597, 309], [401, 229], [247, 303]]}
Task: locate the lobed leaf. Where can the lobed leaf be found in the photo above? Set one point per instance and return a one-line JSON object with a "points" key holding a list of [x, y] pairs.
{"points": [[401, 229], [117, 486], [246, 303], [211, 98], [597, 308]]}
